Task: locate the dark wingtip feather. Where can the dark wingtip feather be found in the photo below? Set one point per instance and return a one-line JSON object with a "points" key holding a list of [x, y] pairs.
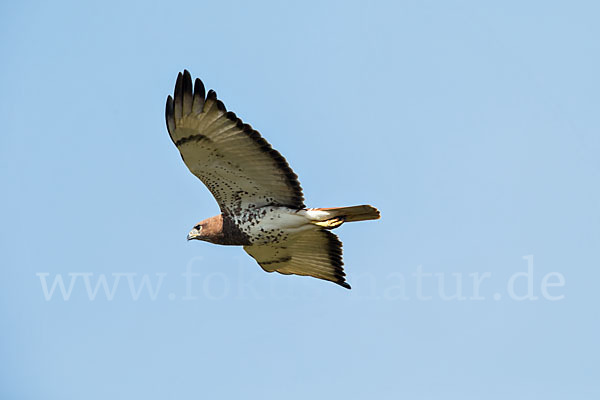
{"points": [[178, 101], [199, 94], [221, 106], [187, 92], [169, 115], [335, 257]]}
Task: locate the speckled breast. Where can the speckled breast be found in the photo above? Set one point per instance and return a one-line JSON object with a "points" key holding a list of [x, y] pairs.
{"points": [[272, 224]]}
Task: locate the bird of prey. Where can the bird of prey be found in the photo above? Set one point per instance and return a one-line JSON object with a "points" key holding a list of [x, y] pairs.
{"points": [[261, 201]]}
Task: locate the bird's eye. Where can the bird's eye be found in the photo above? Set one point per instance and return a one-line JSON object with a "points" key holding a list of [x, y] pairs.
{"points": [[198, 227]]}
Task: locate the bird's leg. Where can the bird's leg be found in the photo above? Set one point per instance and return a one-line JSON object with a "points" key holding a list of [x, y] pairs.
{"points": [[330, 223]]}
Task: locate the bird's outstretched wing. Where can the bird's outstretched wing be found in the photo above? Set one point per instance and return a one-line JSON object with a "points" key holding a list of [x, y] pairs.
{"points": [[237, 165], [316, 253]]}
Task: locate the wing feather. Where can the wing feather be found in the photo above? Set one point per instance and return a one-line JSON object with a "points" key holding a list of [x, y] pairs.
{"points": [[187, 93], [234, 161], [316, 253], [199, 93]]}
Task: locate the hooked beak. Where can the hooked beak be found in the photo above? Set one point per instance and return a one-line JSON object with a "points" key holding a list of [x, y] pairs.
{"points": [[194, 233]]}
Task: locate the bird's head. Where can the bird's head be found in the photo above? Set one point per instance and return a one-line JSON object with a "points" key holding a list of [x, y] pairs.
{"points": [[196, 233], [209, 230]]}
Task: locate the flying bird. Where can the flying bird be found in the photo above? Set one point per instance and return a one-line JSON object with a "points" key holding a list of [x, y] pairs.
{"points": [[261, 201]]}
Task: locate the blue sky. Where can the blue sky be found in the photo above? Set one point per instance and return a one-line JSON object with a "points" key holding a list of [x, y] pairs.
{"points": [[472, 126]]}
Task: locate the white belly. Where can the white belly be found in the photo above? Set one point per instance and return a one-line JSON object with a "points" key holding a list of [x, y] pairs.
{"points": [[273, 224]]}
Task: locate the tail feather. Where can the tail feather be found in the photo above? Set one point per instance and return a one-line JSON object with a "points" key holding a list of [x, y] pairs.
{"points": [[351, 214]]}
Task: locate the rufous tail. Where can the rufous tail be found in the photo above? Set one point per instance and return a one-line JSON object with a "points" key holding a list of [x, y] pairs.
{"points": [[336, 216]]}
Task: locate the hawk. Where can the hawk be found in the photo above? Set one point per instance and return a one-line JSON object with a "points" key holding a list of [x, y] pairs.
{"points": [[261, 201]]}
